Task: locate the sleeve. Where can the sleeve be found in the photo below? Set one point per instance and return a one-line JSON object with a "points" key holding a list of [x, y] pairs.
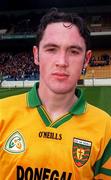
{"points": [[102, 167]]}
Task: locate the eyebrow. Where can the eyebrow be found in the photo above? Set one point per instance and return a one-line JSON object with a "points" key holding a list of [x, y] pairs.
{"points": [[76, 47], [50, 45], [70, 47]]}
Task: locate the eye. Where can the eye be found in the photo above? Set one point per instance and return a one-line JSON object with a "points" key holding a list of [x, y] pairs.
{"points": [[74, 52], [51, 50]]}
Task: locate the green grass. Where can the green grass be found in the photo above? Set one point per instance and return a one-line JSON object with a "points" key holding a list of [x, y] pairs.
{"points": [[5, 92], [98, 96]]}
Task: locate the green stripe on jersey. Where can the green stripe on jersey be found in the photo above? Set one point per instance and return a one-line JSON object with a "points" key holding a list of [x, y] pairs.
{"points": [[106, 155], [48, 121], [44, 116], [105, 171], [61, 120]]}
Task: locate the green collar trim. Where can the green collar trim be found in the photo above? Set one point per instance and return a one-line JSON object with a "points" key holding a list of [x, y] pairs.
{"points": [[62, 120], [78, 108], [33, 99], [44, 116]]}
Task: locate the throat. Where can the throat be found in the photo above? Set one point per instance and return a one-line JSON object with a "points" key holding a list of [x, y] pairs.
{"points": [[56, 115], [57, 112], [57, 105]]}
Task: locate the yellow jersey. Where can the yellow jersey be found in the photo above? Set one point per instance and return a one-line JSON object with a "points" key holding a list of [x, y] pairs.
{"points": [[77, 146]]}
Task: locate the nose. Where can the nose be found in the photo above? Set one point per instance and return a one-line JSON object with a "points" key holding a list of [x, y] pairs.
{"points": [[62, 60]]}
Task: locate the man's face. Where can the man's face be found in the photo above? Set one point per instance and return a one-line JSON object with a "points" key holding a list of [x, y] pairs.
{"points": [[61, 54]]}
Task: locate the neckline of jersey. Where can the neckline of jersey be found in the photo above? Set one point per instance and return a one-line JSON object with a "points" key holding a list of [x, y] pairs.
{"points": [[78, 108]]}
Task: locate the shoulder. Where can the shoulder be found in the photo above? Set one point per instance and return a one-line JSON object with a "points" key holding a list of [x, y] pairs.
{"points": [[98, 114], [94, 109], [16, 101]]}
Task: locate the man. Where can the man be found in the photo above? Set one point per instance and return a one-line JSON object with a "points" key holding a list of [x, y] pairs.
{"points": [[51, 132]]}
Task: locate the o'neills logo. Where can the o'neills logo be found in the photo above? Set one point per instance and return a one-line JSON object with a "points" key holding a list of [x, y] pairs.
{"points": [[41, 174], [81, 151], [50, 135]]}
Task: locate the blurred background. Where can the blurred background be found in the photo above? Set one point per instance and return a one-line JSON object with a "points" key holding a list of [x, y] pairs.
{"points": [[18, 24]]}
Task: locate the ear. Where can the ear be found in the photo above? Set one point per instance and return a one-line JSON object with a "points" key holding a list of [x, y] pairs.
{"points": [[87, 58], [35, 53]]}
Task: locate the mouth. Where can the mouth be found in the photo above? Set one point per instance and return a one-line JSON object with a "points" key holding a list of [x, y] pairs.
{"points": [[60, 76]]}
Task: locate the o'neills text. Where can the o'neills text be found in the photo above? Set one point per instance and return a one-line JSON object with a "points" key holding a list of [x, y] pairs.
{"points": [[50, 135], [41, 174]]}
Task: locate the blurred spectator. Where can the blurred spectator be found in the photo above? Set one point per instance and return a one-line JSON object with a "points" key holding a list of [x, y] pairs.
{"points": [[18, 66], [106, 58], [100, 61]]}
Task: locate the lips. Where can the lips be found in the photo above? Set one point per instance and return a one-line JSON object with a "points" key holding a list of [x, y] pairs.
{"points": [[60, 75]]}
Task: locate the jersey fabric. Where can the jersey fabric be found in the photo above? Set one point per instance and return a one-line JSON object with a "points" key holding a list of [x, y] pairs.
{"points": [[77, 146]]}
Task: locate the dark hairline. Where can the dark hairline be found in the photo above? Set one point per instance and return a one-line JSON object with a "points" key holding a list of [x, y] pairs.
{"points": [[54, 16]]}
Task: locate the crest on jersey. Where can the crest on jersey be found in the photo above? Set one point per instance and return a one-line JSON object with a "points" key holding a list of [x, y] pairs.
{"points": [[81, 151], [15, 143]]}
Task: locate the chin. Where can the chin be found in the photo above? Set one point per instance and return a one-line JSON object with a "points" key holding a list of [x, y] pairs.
{"points": [[63, 87], [62, 90]]}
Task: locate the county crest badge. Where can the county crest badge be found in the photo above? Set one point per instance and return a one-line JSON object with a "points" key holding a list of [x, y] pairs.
{"points": [[81, 151], [15, 143]]}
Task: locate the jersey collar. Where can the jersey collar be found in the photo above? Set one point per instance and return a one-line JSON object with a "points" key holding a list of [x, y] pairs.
{"points": [[78, 108]]}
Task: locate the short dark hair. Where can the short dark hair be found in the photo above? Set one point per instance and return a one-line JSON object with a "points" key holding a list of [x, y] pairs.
{"points": [[54, 16]]}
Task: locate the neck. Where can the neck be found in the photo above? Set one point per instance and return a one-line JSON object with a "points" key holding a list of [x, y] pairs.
{"points": [[57, 104]]}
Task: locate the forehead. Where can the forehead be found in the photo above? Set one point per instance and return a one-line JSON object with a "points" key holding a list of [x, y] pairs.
{"points": [[62, 32]]}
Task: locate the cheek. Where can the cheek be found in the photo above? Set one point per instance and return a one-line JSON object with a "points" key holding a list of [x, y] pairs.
{"points": [[45, 63], [76, 67], [44, 68]]}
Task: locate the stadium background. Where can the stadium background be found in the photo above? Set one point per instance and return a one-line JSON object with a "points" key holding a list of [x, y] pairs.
{"points": [[18, 22]]}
